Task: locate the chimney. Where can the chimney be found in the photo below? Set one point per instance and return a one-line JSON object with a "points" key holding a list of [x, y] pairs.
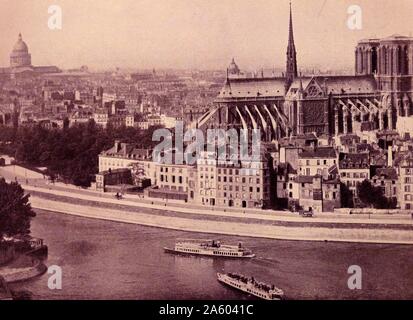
{"points": [[390, 156], [117, 145]]}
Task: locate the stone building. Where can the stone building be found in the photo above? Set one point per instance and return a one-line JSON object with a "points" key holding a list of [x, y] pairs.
{"points": [[354, 168], [387, 180], [317, 161], [405, 168], [123, 155], [318, 194], [21, 63], [121, 176]]}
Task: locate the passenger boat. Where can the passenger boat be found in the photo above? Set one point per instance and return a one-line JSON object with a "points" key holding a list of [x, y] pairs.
{"points": [[210, 248], [251, 286]]}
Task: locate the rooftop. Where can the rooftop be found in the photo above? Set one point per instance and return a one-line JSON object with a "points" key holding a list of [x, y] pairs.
{"points": [[327, 152]]}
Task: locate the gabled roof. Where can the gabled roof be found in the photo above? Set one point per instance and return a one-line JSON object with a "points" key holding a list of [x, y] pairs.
{"points": [[348, 84], [253, 87], [354, 160], [327, 152], [387, 173]]}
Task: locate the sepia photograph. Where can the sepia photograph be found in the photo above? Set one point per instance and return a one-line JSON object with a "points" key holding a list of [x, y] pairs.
{"points": [[225, 151]]}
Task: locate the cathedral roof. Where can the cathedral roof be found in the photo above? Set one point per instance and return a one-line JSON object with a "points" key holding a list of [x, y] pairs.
{"points": [[348, 84], [253, 87]]}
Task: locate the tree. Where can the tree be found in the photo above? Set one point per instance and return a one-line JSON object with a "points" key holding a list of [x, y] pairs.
{"points": [[367, 193], [374, 197], [346, 196], [15, 210]]}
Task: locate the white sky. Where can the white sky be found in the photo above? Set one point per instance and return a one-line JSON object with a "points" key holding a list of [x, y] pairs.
{"points": [[203, 34]]}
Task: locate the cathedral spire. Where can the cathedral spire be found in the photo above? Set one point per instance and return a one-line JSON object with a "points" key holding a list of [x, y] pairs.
{"points": [[291, 69], [290, 28]]}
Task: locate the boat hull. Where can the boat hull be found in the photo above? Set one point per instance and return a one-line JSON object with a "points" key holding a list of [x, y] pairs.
{"points": [[207, 254], [224, 280]]}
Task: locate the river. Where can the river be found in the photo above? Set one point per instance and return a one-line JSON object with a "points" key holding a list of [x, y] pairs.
{"points": [[109, 260]]}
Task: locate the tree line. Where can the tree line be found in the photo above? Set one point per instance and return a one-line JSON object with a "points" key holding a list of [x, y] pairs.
{"points": [[71, 153]]}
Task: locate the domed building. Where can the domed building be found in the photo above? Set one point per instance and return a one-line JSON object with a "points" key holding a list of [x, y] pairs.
{"points": [[21, 63], [233, 71], [233, 68], [20, 56]]}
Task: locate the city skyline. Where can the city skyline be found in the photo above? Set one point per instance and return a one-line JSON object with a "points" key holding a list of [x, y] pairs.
{"points": [[111, 35]]}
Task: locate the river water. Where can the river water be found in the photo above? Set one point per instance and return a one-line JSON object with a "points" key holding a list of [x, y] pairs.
{"points": [[109, 260]]}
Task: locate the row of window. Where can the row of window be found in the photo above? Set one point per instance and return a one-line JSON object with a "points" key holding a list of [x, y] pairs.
{"points": [[238, 171], [355, 175], [317, 162], [166, 169], [290, 186], [237, 188], [238, 179], [238, 196], [174, 179]]}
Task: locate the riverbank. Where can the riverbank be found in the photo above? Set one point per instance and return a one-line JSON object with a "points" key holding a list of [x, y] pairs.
{"points": [[24, 268], [229, 225], [376, 228]]}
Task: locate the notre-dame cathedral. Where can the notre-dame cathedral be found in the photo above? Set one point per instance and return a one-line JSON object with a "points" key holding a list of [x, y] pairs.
{"points": [[375, 98]]}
